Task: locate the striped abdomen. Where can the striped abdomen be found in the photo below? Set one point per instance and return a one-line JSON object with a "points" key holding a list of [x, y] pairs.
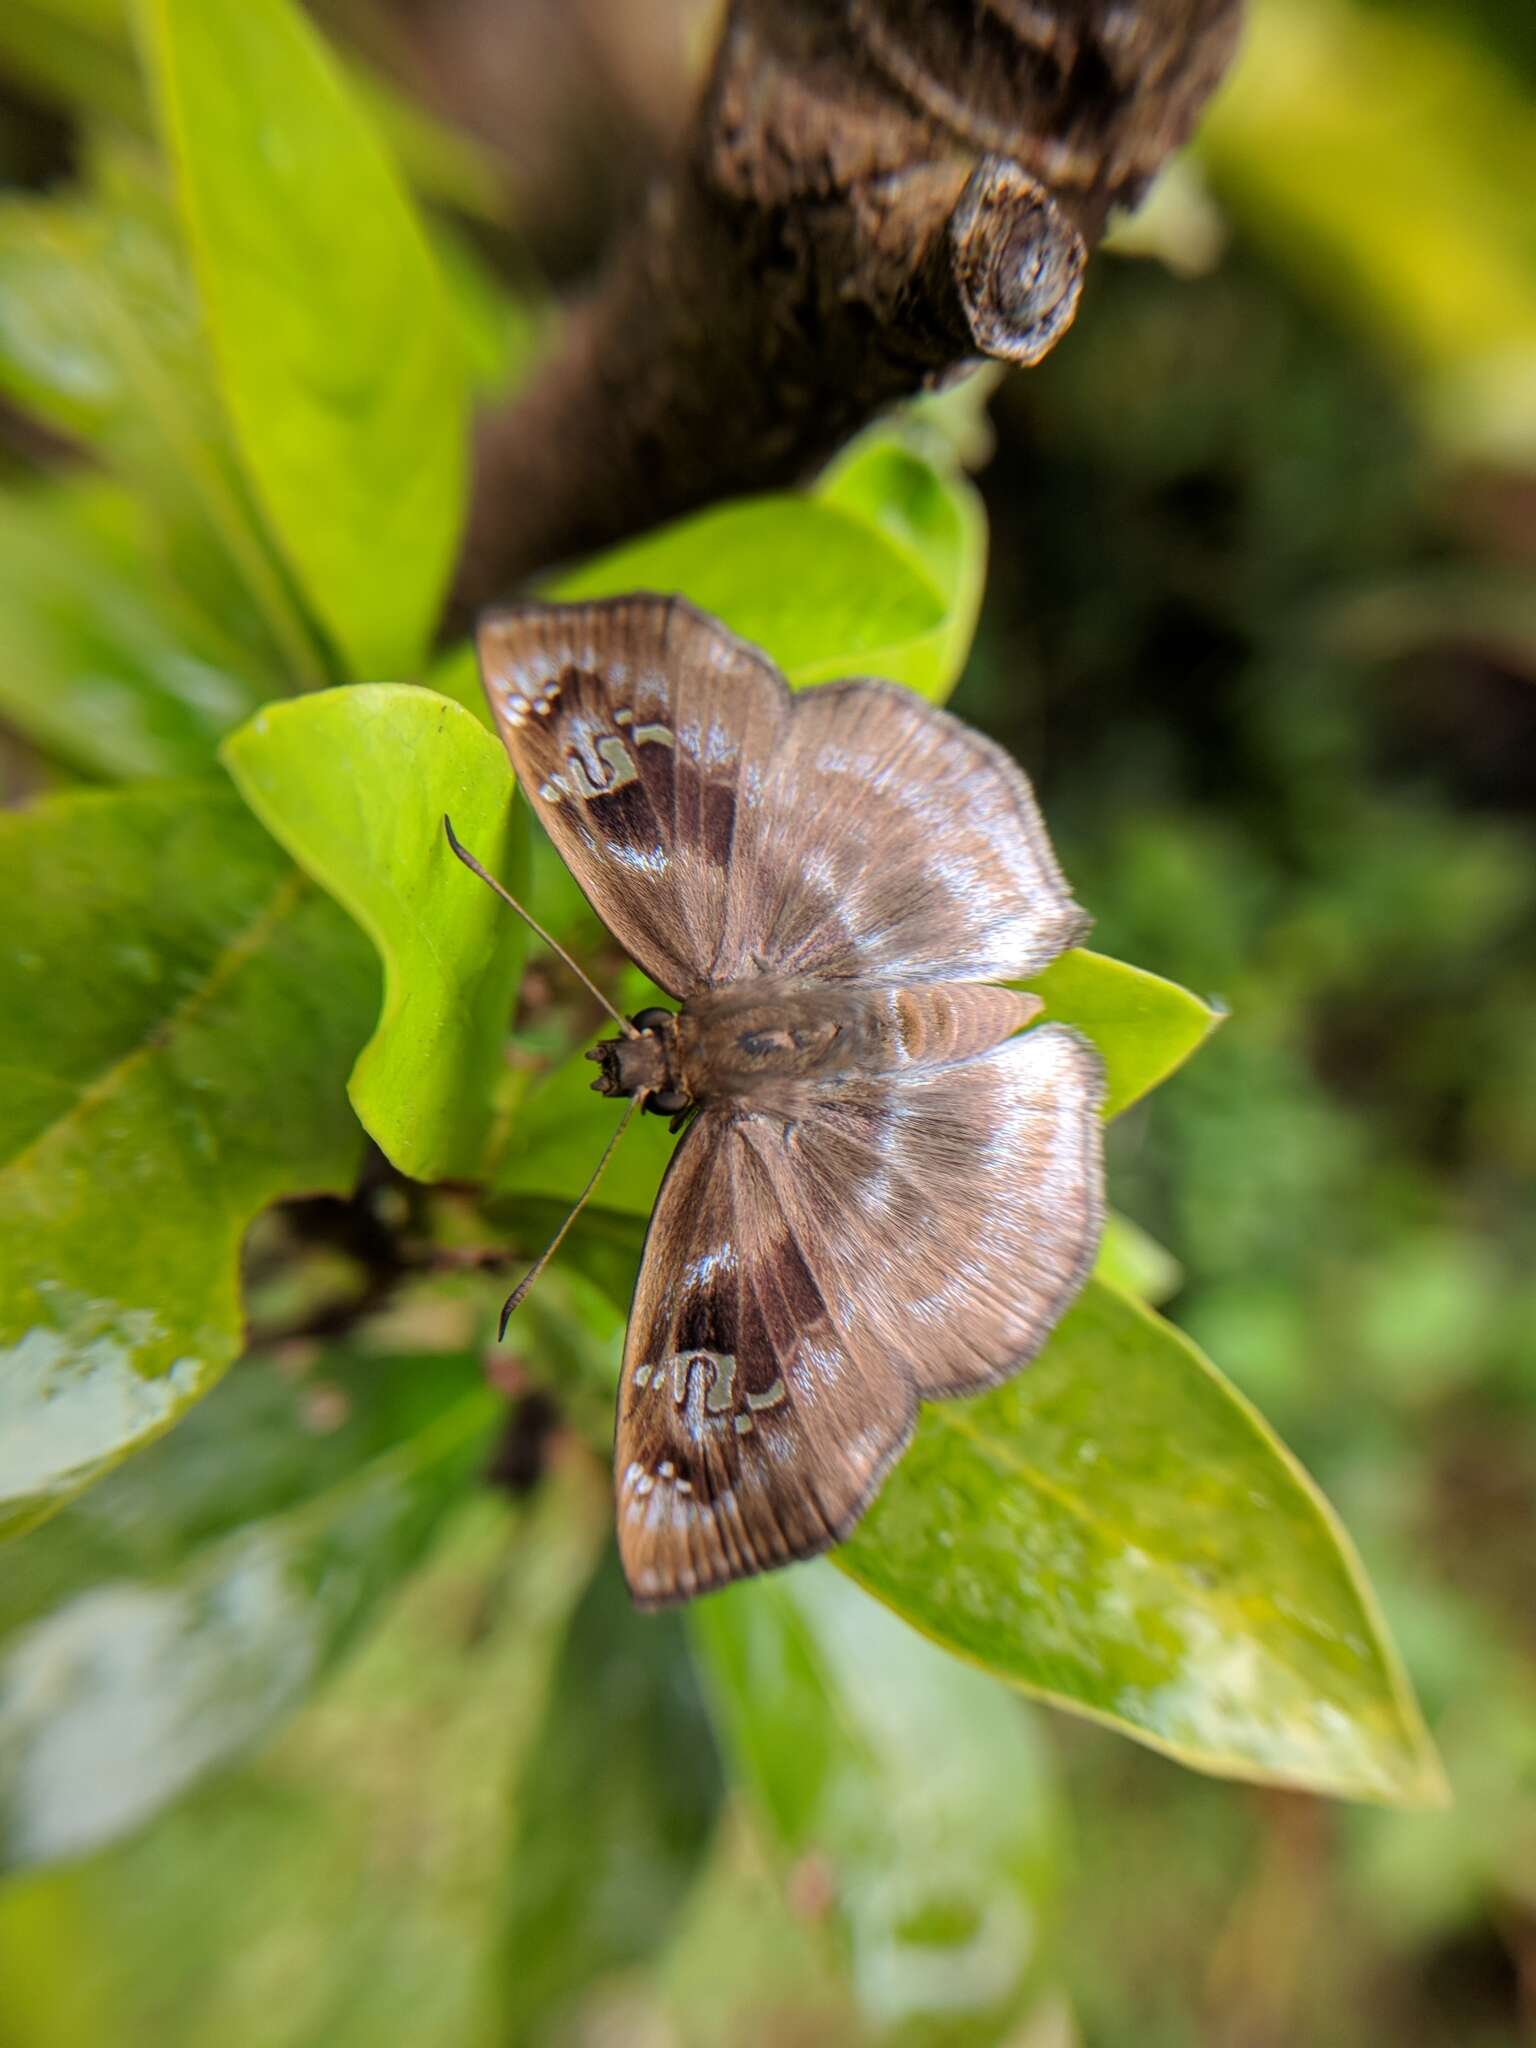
{"points": [[733, 1039]]}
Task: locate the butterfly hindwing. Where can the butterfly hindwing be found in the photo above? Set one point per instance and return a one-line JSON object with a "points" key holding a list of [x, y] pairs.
{"points": [[749, 1434], [812, 1269], [950, 1213]]}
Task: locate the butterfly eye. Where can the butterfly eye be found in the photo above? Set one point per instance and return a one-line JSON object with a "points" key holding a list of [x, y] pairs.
{"points": [[669, 1102], [651, 1020]]}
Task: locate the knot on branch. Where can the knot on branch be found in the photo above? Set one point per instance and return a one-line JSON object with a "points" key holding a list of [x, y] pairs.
{"points": [[872, 192], [1017, 263]]}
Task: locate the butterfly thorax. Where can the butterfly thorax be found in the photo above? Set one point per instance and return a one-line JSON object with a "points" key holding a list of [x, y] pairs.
{"points": [[751, 1038]]}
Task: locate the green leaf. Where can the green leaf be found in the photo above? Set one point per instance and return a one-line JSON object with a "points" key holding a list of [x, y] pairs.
{"points": [[880, 574], [178, 1012], [338, 358], [935, 519], [1117, 1531], [907, 1787], [559, 1132], [78, 55], [72, 52], [179, 1610], [100, 338], [355, 784], [106, 669], [621, 1793], [402, 1768], [1143, 1026]]}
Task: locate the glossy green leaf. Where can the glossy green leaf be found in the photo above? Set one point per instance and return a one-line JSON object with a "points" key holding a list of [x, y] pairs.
{"points": [[100, 339], [355, 784], [178, 1013], [105, 668], [456, 674], [1118, 1531], [619, 1803], [175, 1613], [878, 575], [337, 354], [1143, 1026], [906, 1786], [935, 518]]}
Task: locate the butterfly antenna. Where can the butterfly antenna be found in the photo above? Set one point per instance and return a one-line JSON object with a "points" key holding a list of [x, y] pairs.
{"points": [[554, 946], [515, 1298]]}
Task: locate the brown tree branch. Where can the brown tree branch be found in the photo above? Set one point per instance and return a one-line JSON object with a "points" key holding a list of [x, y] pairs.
{"points": [[874, 192]]}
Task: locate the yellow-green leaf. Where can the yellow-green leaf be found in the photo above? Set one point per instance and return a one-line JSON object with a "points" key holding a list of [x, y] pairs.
{"points": [[355, 783], [1143, 1026], [337, 353]]}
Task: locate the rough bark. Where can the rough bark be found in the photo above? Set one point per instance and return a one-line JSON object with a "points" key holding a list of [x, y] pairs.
{"points": [[873, 193]]}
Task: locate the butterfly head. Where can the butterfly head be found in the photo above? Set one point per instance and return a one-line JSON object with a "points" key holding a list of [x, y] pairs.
{"points": [[646, 1064]]}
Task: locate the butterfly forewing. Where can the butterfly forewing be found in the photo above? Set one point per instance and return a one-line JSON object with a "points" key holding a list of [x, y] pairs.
{"points": [[640, 732], [896, 845], [722, 828]]}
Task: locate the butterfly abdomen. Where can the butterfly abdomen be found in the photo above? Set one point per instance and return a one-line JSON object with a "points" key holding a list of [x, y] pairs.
{"points": [[741, 1040]]}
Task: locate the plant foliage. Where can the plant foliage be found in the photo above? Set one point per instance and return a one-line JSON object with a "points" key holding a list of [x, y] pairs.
{"points": [[245, 963]]}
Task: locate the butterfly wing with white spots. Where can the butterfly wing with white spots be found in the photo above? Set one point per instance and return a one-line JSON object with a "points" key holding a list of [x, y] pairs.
{"points": [[722, 828]]}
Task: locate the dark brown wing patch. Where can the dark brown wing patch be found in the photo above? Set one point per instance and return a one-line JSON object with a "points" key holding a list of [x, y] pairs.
{"points": [[748, 1434], [638, 728]]}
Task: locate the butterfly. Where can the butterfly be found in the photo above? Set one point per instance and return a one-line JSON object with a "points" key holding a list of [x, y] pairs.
{"points": [[887, 1191]]}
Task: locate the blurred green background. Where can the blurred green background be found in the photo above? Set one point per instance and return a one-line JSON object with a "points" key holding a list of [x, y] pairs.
{"points": [[1261, 616]]}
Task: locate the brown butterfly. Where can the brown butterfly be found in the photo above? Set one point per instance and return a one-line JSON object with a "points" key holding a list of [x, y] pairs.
{"points": [[883, 1194]]}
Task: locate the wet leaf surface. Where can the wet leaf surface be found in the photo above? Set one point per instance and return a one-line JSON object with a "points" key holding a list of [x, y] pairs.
{"points": [[904, 1791], [178, 1013], [1119, 1532], [178, 1611]]}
